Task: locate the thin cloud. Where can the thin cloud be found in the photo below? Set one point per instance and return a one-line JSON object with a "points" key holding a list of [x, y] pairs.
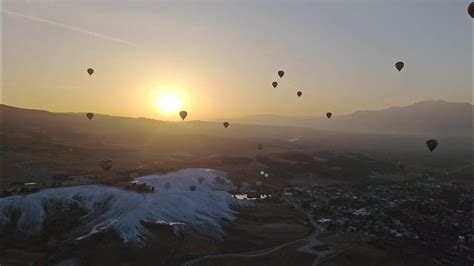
{"points": [[69, 27]]}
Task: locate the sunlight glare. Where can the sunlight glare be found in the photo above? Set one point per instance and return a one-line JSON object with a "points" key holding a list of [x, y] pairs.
{"points": [[169, 102]]}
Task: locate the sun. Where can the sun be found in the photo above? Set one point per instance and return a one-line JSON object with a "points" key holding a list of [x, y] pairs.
{"points": [[168, 102]]}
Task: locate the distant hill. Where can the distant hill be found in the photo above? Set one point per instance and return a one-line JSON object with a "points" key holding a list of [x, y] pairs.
{"points": [[395, 128], [76, 129], [436, 117]]}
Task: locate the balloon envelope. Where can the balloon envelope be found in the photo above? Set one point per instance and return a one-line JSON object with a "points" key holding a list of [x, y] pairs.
{"points": [[401, 165], [192, 188], [281, 73], [299, 93], [399, 65], [106, 165], [226, 124], [432, 144], [274, 84], [90, 71], [90, 115], [183, 114], [470, 9], [328, 115]]}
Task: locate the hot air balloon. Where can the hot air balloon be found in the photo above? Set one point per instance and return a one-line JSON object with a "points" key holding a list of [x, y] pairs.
{"points": [[90, 71], [90, 116], [183, 114], [192, 188], [200, 179], [399, 65], [328, 115], [281, 73], [274, 84], [260, 146], [470, 9], [299, 93], [167, 185], [106, 164], [432, 144], [401, 165], [226, 124]]}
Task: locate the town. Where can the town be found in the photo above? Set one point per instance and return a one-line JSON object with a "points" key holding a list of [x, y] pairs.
{"points": [[431, 212]]}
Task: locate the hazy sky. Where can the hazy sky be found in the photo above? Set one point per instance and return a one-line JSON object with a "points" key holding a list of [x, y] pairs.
{"points": [[221, 56]]}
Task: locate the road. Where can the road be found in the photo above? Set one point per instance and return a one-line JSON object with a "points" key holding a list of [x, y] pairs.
{"points": [[249, 254], [311, 240]]}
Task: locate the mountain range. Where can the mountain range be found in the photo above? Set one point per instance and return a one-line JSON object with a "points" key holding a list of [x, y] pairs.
{"points": [[435, 116]]}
